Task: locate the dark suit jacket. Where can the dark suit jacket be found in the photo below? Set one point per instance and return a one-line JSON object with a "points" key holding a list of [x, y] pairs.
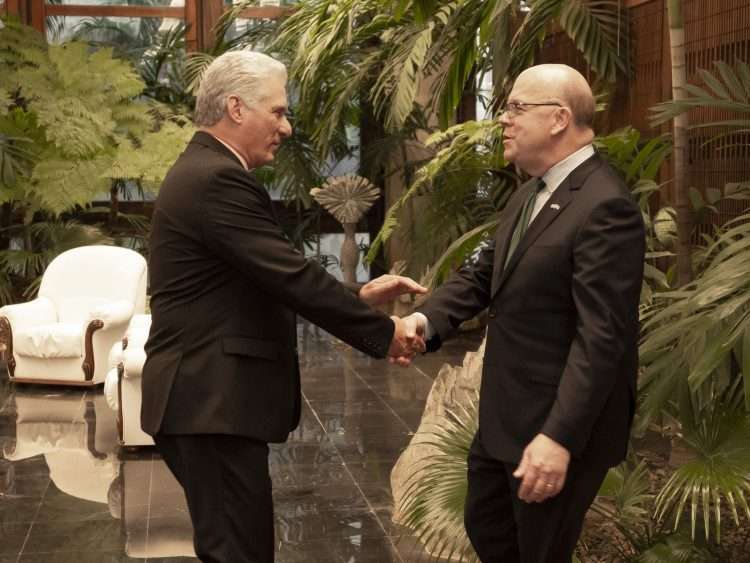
{"points": [[225, 287], [561, 353]]}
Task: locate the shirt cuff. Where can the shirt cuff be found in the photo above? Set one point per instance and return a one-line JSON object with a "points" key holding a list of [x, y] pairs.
{"points": [[429, 332]]}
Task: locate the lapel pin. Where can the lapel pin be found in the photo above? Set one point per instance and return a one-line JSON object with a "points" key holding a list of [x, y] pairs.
{"points": [[555, 206]]}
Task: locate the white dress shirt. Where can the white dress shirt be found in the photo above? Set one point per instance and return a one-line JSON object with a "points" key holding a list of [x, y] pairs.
{"points": [[554, 176]]}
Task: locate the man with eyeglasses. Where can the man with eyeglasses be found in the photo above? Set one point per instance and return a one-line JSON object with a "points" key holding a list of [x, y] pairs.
{"points": [[561, 280]]}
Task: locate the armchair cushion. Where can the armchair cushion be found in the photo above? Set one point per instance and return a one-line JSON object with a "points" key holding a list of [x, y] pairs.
{"points": [[57, 340], [77, 309]]}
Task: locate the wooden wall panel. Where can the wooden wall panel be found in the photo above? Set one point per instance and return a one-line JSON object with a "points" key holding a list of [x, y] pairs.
{"points": [[714, 30]]}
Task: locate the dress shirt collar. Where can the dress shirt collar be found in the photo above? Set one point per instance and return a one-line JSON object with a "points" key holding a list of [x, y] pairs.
{"points": [[557, 173], [234, 152]]}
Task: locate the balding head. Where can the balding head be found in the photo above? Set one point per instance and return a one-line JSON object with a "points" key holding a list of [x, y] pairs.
{"points": [[548, 117], [566, 85]]}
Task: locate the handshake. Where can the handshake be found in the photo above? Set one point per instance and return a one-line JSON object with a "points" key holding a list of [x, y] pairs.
{"points": [[409, 333], [408, 339]]}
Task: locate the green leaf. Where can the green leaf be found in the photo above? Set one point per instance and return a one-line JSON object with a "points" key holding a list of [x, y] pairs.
{"points": [[696, 199], [746, 367]]}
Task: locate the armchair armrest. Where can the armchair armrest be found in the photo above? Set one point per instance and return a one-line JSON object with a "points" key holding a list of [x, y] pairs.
{"points": [[133, 361], [112, 314], [39, 311]]}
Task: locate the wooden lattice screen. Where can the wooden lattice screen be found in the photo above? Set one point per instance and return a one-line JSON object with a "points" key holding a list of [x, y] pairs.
{"points": [[714, 30]]}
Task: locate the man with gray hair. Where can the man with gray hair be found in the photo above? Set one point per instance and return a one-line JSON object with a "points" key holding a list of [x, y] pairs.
{"points": [[221, 378]]}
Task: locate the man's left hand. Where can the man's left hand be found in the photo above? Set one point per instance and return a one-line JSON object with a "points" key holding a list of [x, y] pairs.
{"points": [[387, 287], [543, 468]]}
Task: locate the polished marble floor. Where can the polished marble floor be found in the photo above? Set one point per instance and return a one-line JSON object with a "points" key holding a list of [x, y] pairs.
{"points": [[69, 493]]}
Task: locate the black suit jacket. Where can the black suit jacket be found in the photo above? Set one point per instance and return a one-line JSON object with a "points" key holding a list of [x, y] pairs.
{"points": [[561, 353], [225, 287]]}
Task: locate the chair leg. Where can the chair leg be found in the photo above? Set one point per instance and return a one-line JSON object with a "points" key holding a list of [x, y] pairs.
{"points": [[88, 359], [6, 335]]}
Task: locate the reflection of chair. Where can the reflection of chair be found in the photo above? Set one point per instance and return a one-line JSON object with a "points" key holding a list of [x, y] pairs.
{"points": [[123, 384], [76, 434], [154, 513], [86, 299]]}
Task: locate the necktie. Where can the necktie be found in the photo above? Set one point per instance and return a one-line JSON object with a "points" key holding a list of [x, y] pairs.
{"points": [[523, 220]]}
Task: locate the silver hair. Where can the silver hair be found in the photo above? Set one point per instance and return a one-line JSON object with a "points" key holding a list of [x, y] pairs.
{"points": [[242, 73]]}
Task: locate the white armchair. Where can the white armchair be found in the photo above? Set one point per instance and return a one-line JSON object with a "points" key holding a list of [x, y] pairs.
{"points": [[122, 387], [86, 300]]}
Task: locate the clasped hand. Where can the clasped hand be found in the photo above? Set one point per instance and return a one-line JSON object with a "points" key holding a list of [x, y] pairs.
{"points": [[408, 339], [408, 335]]}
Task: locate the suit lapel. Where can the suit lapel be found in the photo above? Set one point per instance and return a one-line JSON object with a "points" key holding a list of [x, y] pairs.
{"points": [[553, 209]]}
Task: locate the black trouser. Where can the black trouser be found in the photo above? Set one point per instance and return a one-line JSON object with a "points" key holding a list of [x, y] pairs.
{"points": [[504, 529], [228, 490]]}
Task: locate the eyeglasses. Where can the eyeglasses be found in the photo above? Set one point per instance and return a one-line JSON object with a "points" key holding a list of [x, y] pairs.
{"points": [[516, 108]]}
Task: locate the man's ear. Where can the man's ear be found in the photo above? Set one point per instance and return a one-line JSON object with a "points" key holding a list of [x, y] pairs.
{"points": [[234, 108], [562, 118]]}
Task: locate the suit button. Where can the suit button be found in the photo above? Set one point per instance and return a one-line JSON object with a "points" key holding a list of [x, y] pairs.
{"points": [[493, 313]]}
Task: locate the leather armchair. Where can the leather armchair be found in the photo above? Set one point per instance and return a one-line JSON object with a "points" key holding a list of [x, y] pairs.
{"points": [[86, 300], [122, 387]]}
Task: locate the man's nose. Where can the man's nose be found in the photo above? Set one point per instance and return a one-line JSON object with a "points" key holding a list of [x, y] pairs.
{"points": [[504, 118], [286, 128]]}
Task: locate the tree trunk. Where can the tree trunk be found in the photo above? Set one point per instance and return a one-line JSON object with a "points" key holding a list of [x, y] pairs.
{"points": [[114, 205], [6, 216], [370, 132], [349, 255], [679, 156]]}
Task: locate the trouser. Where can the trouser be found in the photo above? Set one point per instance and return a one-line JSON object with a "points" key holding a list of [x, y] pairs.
{"points": [[228, 491], [504, 529]]}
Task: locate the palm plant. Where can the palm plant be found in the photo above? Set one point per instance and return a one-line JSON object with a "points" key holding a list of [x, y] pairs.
{"points": [[695, 348], [58, 152], [726, 90], [162, 68], [352, 61], [435, 492], [716, 432], [468, 164], [625, 501], [387, 51], [710, 309]]}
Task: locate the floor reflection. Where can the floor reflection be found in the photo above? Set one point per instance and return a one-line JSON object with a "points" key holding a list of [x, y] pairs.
{"points": [[69, 492]]}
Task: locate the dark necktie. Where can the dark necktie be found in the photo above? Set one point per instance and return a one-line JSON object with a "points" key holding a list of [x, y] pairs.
{"points": [[523, 220]]}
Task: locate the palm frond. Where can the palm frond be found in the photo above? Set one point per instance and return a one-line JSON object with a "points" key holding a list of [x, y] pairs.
{"points": [[598, 28], [727, 89], [717, 432], [434, 494], [464, 143]]}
